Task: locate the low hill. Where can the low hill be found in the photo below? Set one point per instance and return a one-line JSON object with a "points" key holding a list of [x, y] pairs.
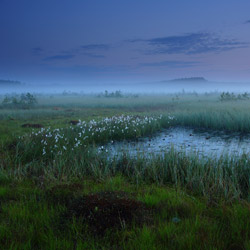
{"points": [[9, 83], [189, 79]]}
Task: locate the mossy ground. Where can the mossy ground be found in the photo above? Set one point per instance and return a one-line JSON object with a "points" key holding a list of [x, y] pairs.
{"points": [[117, 214]]}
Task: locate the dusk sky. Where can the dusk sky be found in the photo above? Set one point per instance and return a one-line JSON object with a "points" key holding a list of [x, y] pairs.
{"points": [[64, 41]]}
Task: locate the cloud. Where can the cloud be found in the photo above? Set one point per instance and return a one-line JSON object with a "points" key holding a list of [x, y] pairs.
{"points": [[89, 69], [93, 55], [191, 43], [172, 64], [58, 58], [37, 50], [89, 48], [95, 47]]}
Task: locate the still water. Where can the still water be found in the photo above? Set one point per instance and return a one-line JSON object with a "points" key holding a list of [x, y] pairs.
{"points": [[203, 142]]}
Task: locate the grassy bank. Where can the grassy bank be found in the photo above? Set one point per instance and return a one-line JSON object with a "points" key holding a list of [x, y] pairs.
{"points": [[196, 110]]}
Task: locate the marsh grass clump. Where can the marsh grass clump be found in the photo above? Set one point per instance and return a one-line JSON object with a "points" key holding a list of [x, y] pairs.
{"points": [[233, 120], [63, 193], [215, 179], [48, 143]]}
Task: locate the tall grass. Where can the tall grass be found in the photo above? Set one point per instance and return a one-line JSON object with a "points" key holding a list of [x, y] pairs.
{"points": [[226, 177], [227, 120], [202, 110], [75, 152], [50, 143]]}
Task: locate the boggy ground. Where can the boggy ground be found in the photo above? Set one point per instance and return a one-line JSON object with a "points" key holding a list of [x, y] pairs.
{"points": [[115, 214], [43, 207]]}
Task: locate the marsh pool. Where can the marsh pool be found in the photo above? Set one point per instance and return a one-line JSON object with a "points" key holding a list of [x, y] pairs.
{"points": [[198, 141]]}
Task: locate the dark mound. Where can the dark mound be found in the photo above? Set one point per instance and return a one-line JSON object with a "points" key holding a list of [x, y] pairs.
{"points": [[107, 210], [74, 122], [32, 125]]}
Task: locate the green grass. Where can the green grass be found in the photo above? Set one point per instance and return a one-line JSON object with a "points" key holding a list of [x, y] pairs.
{"points": [[229, 118], [30, 220], [190, 110], [190, 202], [215, 179]]}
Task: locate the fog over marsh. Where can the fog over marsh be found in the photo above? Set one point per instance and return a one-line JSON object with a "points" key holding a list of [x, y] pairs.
{"points": [[145, 87]]}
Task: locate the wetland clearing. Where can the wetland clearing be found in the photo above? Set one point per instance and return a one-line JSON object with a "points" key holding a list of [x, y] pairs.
{"points": [[128, 172]]}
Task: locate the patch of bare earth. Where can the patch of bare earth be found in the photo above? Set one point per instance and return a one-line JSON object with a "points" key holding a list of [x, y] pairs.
{"points": [[108, 210], [74, 122], [32, 125]]}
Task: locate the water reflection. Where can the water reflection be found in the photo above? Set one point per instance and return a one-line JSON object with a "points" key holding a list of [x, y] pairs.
{"points": [[202, 142]]}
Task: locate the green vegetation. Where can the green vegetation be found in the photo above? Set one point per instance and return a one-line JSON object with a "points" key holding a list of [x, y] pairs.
{"points": [[116, 94], [59, 188], [23, 101], [226, 96], [34, 217]]}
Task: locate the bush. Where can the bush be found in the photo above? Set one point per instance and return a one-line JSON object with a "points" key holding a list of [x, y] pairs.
{"points": [[116, 94], [226, 96], [24, 100]]}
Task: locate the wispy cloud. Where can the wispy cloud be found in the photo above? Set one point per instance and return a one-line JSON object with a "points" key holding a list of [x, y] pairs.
{"points": [[88, 69], [88, 50], [95, 47], [58, 58], [191, 43], [92, 50], [93, 55], [171, 64], [37, 50]]}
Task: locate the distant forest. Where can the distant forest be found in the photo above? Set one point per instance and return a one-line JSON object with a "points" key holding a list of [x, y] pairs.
{"points": [[190, 79], [9, 82]]}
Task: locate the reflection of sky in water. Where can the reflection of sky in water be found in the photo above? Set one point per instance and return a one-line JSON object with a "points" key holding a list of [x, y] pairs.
{"points": [[185, 139]]}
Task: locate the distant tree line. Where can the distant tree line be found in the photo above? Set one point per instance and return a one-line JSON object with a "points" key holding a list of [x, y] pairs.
{"points": [[9, 82], [116, 94], [24, 100], [226, 96]]}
